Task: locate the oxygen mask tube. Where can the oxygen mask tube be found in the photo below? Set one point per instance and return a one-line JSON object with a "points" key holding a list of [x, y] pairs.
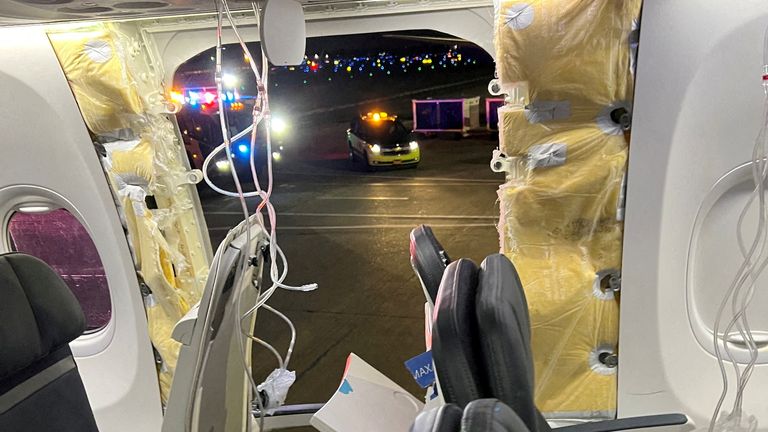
{"points": [[270, 394], [742, 289]]}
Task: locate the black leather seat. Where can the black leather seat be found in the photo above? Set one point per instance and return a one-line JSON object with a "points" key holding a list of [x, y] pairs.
{"points": [[482, 415], [504, 333], [428, 259], [455, 345], [446, 418], [481, 346], [491, 415], [40, 387]]}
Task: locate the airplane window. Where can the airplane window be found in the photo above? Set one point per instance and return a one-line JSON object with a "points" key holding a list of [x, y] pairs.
{"points": [[58, 238]]}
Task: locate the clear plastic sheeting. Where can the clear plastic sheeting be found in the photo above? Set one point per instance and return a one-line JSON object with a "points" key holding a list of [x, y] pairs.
{"points": [[98, 77], [566, 68], [560, 226], [574, 200], [118, 87], [574, 333], [572, 53], [132, 161]]}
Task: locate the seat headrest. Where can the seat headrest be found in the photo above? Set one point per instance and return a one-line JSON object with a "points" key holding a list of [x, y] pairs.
{"points": [[428, 259], [445, 418], [455, 344], [491, 415], [504, 332], [39, 312]]}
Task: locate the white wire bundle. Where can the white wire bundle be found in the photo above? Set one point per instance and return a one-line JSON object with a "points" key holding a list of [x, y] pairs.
{"points": [[741, 291], [261, 113]]}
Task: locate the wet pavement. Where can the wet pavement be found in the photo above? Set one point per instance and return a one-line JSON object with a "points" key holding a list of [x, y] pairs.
{"points": [[347, 230]]}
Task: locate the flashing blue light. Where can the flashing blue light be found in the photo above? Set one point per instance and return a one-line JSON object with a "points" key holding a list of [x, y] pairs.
{"points": [[242, 148]]}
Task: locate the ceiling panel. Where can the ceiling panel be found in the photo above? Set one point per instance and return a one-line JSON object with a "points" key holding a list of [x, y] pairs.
{"points": [[41, 11]]}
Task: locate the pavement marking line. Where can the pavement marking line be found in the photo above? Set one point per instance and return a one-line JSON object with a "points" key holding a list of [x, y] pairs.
{"points": [[435, 183], [368, 215], [360, 227], [390, 216], [374, 198], [452, 179]]}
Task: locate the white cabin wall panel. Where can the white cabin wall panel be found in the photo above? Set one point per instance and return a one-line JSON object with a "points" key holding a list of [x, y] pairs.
{"points": [[698, 108], [45, 143]]}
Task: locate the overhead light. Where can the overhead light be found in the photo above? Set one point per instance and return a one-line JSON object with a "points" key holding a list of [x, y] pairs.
{"points": [[35, 209], [242, 148]]}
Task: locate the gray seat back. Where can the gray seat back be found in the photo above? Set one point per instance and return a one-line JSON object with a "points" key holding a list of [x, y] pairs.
{"points": [[446, 418], [455, 345], [491, 415], [504, 333], [40, 387]]}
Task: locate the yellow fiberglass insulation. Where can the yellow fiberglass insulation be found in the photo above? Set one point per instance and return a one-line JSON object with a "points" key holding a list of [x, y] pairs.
{"points": [[567, 50], [569, 190], [560, 226], [571, 323], [134, 165], [166, 305], [102, 63], [103, 88]]}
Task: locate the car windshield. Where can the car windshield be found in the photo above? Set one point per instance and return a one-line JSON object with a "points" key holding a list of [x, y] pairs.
{"points": [[385, 133]]}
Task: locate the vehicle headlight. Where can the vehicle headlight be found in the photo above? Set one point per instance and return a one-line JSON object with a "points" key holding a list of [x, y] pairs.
{"points": [[376, 148], [222, 165], [278, 125], [413, 145], [276, 156]]}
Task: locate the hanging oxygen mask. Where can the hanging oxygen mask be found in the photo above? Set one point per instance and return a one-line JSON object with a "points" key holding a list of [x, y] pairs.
{"points": [[741, 291], [272, 392]]}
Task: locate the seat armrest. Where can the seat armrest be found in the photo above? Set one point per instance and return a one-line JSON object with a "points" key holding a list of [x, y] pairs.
{"points": [[628, 423], [286, 410]]}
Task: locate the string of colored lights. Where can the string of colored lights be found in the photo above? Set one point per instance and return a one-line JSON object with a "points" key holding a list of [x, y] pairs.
{"points": [[382, 63], [325, 67]]}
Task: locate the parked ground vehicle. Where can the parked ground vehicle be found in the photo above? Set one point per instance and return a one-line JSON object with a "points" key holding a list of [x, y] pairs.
{"points": [[378, 139]]}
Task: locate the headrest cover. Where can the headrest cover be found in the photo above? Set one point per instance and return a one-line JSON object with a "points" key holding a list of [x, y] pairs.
{"points": [[491, 415], [455, 344], [39, 312], [445, 418], [428, 259], [505, 337]]}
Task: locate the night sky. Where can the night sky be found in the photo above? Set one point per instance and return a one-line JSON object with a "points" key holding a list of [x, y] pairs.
{"points": [[198, 71]]}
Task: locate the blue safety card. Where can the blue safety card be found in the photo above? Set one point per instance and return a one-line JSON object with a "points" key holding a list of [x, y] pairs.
{"points": [[422, 369]]}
